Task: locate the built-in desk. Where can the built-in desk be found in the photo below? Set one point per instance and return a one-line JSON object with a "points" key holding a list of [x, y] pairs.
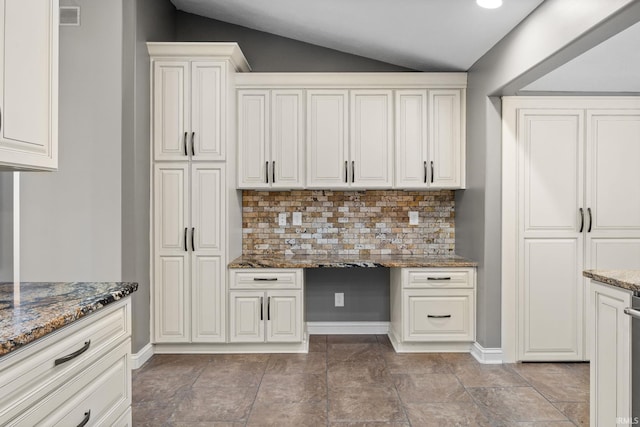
{"points": [[351, 261]]}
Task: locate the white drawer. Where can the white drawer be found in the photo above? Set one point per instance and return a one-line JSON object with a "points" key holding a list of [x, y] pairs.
{"points": [[432, 315], [266, 278], [30, 373], [99, 395], [438, 278]]}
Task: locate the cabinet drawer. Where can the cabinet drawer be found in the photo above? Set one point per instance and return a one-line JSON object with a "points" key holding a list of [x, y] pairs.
{"points": [[438, 278], [266, 278], [30, 373], [100, 395], [439, 316]]}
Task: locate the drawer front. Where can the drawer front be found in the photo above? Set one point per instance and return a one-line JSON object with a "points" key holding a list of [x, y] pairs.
{"points": [[31, 373], [439, 278], [100, 395], [266, 278], [444, 317]]}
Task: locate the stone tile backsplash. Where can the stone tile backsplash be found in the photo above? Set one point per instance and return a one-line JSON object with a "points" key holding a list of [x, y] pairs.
{"points": [[348, 222]]}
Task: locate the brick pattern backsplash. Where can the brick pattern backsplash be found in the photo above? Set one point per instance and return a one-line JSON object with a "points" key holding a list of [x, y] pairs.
{"points": [[348, 222]]}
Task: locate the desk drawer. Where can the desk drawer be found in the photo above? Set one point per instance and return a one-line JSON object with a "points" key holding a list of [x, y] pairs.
{"points": [[438, 278], [266, 278], [31, 373]]}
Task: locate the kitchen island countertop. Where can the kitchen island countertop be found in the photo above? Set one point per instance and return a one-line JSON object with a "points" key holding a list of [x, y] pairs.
{"points": [[625, 279], [350, 261], [29, 311]]}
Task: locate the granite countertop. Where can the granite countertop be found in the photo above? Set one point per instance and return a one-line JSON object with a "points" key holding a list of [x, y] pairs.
{"points": [[348, 261], [29, 311], [625, 279]]}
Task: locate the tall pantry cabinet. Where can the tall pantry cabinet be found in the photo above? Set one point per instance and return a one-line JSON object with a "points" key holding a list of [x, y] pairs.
{"points": [[194, 202], [574, 205]]}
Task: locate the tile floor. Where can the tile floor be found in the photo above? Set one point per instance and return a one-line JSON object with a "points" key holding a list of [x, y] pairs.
{"points": [[347, 381]]}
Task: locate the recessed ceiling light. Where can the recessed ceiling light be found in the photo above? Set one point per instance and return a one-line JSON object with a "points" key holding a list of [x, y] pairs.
{"points": [[489, 4]]}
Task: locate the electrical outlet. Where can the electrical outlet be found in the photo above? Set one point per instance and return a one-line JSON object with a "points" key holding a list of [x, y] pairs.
{"points": [[413, 218], [339, 297], [297, 218], [282, 220]]}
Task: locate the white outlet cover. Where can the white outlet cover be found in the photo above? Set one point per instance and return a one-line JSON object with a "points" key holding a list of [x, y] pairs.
{"points": [[339, 299], [282, 220], [413, 218], [297, 218]]}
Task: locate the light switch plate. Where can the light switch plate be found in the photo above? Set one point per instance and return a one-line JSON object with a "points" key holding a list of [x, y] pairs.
{"points": [[282, 220], [297, 218], [413, 218]]}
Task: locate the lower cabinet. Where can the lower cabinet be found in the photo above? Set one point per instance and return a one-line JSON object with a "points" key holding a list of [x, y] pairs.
{"points": [[610, 337], [434, 307], [266, 305]]}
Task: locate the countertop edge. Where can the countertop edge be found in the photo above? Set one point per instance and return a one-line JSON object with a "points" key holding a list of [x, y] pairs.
{"points": [[257, 261], [612, 277]]}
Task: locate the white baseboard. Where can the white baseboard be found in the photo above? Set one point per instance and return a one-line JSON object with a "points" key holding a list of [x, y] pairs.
{"points": [[347, 328], [487, 355], [138, 359]]}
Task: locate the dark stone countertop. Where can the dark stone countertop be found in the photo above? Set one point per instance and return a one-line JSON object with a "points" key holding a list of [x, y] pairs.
{"points": [[350, 261], [30, 311], [625, 279]]}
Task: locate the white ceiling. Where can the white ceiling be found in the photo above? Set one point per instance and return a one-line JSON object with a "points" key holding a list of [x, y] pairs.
{"points": [[426, 35]]}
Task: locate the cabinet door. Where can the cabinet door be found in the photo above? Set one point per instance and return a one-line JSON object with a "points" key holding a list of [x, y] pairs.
{"points": [[170, 110], [437, 315], [207, 207], [445, 138], [610, 367], [371, 144], [411, 167], [253, 143], [171, 316], [246, 316], [327, 147], [551, 310], [207, 138], [287, 139], [171, 201], [29, 84], [284, 316], [207, 301]]}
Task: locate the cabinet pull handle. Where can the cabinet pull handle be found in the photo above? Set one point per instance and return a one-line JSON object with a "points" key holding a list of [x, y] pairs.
{"points": [[630, 311], [268, 308], [439, 316], [425, 171], [73, 355], [346, 171], [266, 172], [261, 308], [265, 279], [353, 171], [193, 145], [185, 240], [193, 243], [432, 172], [273, 172], [590, 220], [85, 420], [438, 278], [185, 144], [581, 220]]}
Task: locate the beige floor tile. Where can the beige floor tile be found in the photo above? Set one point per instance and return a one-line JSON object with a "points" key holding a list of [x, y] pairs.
{"points": [[317, 343], [152, 414], [357, 352], [446, 415], [515, 404], [312, 363], [215, 404], [431, 388], [230, 374], [352, 374], [432, 363], [292, 388], [578, 412], [365, 404], [558, 382], [477, 375], [368, 424], [289, 414], [351, 339], [160, 388]]}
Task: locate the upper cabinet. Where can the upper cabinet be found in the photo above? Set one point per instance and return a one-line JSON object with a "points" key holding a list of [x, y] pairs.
{"points": [[29, 85], [358, 131]]}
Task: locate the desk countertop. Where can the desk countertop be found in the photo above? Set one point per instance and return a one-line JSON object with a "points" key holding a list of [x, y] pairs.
{"points": [[350, 261], [29, 311]]}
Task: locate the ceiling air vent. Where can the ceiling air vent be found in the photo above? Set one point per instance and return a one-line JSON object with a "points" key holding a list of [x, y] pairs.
{"points": [[70, 16]]}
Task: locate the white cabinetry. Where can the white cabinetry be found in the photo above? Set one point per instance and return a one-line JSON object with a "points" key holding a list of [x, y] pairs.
{"points": [[93, 386], [610, 367], [270, 139], [430, 139], [432, 309], [266, 305], [572, 205], [29, 85]]}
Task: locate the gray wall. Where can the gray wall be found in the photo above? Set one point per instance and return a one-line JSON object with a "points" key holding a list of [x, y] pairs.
{"points": [[545, 40], [6, 226], [144, 20], [71, 219], [271, 53]]}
